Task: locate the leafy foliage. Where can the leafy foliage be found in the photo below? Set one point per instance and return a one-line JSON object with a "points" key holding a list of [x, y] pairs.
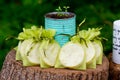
{"points": [[16, 14]]}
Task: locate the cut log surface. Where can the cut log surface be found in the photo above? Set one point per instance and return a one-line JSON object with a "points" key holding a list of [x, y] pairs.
{"points": [[14, 70], [114, 69]]}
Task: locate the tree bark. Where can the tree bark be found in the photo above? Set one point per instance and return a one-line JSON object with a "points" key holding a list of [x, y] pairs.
{"points": [[13, 70], [114, 69]]}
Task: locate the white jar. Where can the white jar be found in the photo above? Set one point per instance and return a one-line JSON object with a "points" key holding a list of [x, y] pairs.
{"points": [[116, 42]]}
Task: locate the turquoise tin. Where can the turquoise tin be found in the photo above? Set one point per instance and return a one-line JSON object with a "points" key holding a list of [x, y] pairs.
{"points": [[63, 27]]}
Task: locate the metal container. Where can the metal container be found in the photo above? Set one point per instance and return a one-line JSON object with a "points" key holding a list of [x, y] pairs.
{"points": [[63, 27]]}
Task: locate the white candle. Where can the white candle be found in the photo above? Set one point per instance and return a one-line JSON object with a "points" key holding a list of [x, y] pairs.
{"points": [[116, 42]]}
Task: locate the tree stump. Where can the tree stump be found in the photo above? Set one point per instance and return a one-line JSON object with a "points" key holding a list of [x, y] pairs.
{"points": [[13, 70], [114, 69]]}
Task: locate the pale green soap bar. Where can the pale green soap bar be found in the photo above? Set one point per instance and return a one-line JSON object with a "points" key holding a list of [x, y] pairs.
{"points": [[100, 58], [80, 67], [92, 64], [58, 64], [43, 64]]}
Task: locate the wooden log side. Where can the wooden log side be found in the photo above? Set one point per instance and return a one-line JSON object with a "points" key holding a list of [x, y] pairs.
{"points": [[14, 70], [114, 69]]}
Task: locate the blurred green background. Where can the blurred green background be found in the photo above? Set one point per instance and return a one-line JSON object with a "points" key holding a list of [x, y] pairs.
{"points": [[16, 14]]}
